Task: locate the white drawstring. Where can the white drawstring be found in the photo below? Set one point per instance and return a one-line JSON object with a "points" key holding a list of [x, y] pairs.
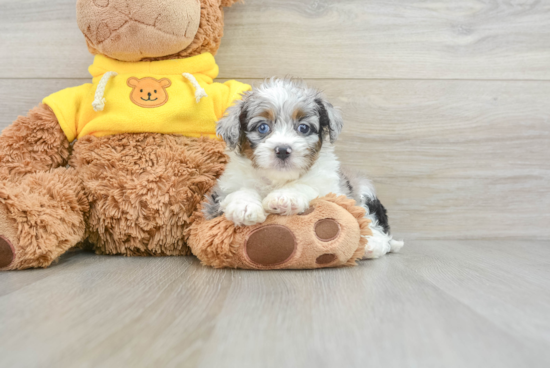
{"points": [[99, 102], [199, 91]]}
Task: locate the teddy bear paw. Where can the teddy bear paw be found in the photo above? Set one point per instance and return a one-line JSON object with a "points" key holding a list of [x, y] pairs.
{"points": [[311, 240]]}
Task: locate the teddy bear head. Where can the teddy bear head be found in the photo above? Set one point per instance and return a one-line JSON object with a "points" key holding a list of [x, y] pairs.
{"points": [[140, 30]]}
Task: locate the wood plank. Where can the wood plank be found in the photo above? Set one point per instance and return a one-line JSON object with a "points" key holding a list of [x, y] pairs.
{"points": [[450, 159], [475, 208], [317, 39], [438, 303], [458, 129], [41, 40], [514, 283]]}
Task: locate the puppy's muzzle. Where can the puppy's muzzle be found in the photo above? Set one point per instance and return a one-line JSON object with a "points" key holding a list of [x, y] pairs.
{"points": [[283, 152]]}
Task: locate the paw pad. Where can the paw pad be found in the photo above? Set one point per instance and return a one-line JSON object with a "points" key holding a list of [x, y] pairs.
{"points": [[270, 245], [101, 3], [6, 252], [309, 211], [327, 230], [326, 259]]}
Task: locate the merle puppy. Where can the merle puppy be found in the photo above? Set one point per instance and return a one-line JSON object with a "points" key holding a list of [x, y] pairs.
{"points": [[280, 140]]}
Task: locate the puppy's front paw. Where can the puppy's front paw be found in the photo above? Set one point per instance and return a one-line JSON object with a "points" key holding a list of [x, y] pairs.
{"points": [[285, 203], [245, 213]]}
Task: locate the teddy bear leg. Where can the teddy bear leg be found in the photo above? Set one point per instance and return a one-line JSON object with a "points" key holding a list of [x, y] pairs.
{"points": [[41, 217], [144, 189], [332, 233]]}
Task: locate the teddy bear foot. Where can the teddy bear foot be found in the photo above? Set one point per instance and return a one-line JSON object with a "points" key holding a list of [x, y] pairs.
{"points": [[275, 245], [332, 233], [8, 240]]}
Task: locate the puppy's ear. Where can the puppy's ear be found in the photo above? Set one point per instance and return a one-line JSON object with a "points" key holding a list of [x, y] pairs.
{"points": [[230, 127], [330, 119]]}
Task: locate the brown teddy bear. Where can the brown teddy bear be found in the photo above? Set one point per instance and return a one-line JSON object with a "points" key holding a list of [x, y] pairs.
{"points": [[122, 164]]}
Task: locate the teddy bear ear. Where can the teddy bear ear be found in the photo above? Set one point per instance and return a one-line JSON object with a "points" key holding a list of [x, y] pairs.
{"points": [[228, 3]]}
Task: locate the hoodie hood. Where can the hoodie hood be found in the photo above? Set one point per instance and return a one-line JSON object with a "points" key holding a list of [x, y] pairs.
{"points": [[203, 64]]}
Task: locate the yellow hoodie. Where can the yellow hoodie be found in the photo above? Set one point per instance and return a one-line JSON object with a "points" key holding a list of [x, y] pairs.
{"points": [[169, 97]]}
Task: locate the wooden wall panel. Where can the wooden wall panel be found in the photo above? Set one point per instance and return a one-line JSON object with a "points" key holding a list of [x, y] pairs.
{"points": [[450, 159], [467, 39]]}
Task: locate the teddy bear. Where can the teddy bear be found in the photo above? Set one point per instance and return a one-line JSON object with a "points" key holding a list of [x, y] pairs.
{"points": [[121, 165]]}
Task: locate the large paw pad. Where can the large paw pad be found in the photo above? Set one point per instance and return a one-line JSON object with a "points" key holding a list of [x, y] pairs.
{"points": [[270, 245], [6, 252]]}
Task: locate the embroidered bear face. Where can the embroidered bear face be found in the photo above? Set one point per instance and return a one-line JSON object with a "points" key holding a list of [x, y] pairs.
{"points": [[149, 92]]}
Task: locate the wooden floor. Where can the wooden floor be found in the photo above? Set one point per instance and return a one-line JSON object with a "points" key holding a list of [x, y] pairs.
{"points": [[437, 304]]}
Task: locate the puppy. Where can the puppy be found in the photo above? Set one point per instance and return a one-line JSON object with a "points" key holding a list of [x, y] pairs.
{"points": [[280, 140]]}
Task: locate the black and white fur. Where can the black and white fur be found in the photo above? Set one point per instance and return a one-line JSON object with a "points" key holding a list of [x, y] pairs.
{"points": [[281, 168]]}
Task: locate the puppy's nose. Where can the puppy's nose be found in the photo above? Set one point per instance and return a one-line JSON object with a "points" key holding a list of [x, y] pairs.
{"points": [[149, 94], [283, 152]]}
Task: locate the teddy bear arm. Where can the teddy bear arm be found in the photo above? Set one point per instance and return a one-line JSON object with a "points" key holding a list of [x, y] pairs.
{"points": [[33, 143]]}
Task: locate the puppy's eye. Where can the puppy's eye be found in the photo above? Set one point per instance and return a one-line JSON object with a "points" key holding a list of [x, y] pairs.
{"points": [[304, 129], [141, 90], [264, 128], [155, 91]]}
